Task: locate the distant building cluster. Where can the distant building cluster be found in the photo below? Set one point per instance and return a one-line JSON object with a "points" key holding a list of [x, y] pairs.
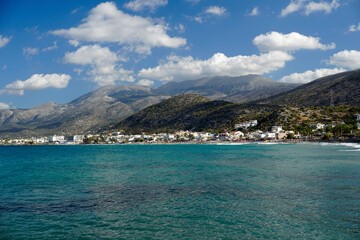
{"points": [[246, 125], [240, 133]]}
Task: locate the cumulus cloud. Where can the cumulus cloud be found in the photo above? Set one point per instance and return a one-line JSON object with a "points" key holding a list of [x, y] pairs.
{"points": [[106, 23], [186, 68], [4, 41], [140, 5], [307, 7], [273, 41], [37, 82], [29, 51], [145, 82], [103, 63], [354, 28], [348, 59], [309, 75], [216, 10], [254, 12], [4, 106]]}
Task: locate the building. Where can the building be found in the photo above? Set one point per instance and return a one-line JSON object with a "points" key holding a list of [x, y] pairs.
{"points": [[78, 138], [57, 139], [247, 124], [276, 129], [270, 135], [281, 135], [318, 126]]}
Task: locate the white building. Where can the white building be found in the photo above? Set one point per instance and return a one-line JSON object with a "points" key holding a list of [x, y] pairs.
{"points": [[318, 126], [78, 138], [247, 124], [270, 135], [58, 139], [276, 129], [169, 137]]}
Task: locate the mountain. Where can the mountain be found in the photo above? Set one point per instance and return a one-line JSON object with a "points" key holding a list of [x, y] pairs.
{"points": [[233, 89], [189, 112], [338, 89], [90, 112], [106, 106]]}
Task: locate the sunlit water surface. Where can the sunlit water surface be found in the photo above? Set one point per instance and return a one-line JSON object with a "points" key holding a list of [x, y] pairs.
{"points": [[253, 191]]}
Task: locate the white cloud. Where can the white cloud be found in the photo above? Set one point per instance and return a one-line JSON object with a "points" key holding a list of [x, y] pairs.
{"points": [[354, 28], [273, 41], [199, 19], [309, 7], [106, 23], [309, 75], [4, 106], [76, 10], [74, 43], [93, 54], [4, 41], [53, 47], [293, 6], [29, 51], [254, 12], [4, 67], [140, 5], [180, 28], [348, 59], [37, 82], [326, 7], [185, 68], [103, 62], [216, 10], [78, 71], [145, 82]]}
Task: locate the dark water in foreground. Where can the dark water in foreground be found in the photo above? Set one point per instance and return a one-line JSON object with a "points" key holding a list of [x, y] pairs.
{"points": [[303, 191]]}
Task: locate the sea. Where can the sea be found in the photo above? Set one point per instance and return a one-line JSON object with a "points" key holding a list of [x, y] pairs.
{"points": [[193, 191]]}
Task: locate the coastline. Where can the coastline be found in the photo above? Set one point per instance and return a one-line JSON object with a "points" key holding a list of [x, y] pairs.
{"points": [[269, 142]]}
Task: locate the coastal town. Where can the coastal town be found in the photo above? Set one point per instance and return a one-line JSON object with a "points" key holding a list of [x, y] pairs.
{"points": [[246, 131]]}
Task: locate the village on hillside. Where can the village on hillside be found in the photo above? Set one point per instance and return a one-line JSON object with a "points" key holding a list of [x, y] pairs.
{"points": [[246, 131]]}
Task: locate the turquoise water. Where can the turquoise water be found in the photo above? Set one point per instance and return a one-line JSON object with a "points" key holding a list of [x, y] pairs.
{"points": [[303, 191]]}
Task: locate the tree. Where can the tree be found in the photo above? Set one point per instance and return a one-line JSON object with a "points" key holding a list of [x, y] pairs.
{"points": [[290, 136], [327, 136]]}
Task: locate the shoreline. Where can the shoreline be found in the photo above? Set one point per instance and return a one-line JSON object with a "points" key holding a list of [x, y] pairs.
{"points": [[194, 143]]}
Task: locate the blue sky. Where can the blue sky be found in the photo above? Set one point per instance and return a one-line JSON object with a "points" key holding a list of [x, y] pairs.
{"points": [[59, 50]]}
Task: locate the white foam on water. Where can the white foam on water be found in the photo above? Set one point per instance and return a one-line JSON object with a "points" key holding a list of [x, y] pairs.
{"points": [[232, 143], [269, 143]]}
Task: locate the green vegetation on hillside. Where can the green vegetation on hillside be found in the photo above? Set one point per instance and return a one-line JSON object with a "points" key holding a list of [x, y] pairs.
{"points": [[335, 90], [196, 113]]}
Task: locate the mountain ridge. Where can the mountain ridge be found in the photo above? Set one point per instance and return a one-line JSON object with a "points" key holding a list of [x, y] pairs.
{"points": [[105, 106], [337, 89]]}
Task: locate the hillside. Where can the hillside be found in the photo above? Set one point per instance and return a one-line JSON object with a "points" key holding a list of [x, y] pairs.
{"points": [[90, 112], [189, 112], [108, 105], [338, 89], [233, 89]]}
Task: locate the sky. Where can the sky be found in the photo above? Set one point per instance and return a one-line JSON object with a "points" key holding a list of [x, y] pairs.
{"points": [[58, 50]]}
